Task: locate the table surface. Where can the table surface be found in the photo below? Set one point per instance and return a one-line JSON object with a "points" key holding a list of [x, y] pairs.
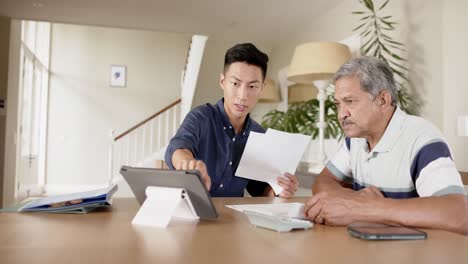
{"points": [[107, 236]]}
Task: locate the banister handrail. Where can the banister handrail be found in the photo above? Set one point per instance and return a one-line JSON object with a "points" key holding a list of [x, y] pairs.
{"points": [[148, 119]]}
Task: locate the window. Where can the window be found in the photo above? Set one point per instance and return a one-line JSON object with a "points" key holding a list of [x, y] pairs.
{"points": [[34, 79]]}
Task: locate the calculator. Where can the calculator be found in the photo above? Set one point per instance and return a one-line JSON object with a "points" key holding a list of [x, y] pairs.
{"points": [[277, 223]]}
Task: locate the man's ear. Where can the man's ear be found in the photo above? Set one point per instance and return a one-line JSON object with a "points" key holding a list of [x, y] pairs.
{"points": [[221, 80], [385, 98]]}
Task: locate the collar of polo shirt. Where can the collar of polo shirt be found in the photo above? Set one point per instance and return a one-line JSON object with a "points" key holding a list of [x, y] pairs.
{"points": [[392, 132]]}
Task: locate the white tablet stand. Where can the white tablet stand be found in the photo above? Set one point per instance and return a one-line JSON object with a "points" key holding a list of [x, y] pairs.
{"points": [[162, 204]]}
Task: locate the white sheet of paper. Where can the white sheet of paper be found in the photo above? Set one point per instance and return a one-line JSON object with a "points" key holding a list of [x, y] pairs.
{"points": [[295, 210], [268, 156]]}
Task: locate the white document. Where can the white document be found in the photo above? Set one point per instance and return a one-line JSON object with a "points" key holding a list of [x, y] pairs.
{"points": [[293, 210], [162, 204], [268, 156]]}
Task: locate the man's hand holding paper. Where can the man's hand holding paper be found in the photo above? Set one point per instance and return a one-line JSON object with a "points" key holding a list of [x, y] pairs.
{"points": [[275, 153]]}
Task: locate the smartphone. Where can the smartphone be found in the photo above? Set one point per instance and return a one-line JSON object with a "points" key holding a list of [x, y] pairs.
{"points": [[368, 231]]}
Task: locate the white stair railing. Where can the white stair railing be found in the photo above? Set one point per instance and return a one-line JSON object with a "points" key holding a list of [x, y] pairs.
{"points": [[146, 139]]}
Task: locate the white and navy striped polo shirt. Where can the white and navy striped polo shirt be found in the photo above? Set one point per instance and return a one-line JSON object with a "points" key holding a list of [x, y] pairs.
{"points": [[412, 159]]}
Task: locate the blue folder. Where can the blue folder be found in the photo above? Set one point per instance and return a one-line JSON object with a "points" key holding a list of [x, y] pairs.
{"points": [[90, 200]]}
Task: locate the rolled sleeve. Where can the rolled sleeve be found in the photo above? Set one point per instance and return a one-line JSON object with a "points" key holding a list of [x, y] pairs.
{"points": [[187, 137], [433, 171], [440, 177]]}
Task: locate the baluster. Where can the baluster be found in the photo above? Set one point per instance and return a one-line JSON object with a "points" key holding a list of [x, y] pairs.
{"points": [[159, 134], [118, 156], [166, 134], [174, 122], [135, 148], [151, 136], [143, 142], [127, 151]]}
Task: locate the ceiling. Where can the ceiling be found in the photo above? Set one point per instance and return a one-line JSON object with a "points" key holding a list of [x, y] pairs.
{"points": [[268, 20]]}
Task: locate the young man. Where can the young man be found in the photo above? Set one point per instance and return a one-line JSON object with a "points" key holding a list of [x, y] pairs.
{"points": [[387, 156], [212, 138]]}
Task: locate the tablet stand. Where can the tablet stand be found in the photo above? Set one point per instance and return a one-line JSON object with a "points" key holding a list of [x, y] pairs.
{"points": [[162, 204]]}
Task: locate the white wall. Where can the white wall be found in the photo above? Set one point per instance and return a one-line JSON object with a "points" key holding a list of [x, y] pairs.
{"points": [[83, 108], [454, 84]]}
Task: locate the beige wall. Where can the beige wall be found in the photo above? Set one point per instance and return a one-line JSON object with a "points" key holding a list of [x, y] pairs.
{"points": [[4, 50], [454, 85], [83, 108]]}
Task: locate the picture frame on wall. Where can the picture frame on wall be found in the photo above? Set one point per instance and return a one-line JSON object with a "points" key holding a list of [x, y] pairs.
{"points": [[118, 76]]}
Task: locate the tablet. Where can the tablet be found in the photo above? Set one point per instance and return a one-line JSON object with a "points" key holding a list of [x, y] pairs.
{"points": [[369, 231], [140, 178]]}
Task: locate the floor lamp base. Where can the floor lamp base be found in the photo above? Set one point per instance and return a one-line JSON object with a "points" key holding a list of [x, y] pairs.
{"points": [[314, 167]]}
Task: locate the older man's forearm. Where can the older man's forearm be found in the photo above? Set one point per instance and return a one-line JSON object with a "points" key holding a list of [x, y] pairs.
{"points": [[449, 212], [326, 181]]}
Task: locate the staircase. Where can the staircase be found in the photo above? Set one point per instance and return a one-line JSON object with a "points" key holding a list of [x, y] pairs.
{"points": [[145, 143]]}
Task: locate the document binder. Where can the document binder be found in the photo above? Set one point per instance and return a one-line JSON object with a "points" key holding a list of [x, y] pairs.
{"points": [[67, 203]]}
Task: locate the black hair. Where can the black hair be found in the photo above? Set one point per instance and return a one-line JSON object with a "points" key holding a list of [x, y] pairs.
{"points": [[248, 53]]}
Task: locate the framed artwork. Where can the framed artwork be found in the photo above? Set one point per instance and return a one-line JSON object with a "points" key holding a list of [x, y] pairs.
{"points": [[118, 76]]}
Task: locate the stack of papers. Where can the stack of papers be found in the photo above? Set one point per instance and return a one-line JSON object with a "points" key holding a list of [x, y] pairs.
{"points": [[292, 210], [268, 156], [89, 201]]}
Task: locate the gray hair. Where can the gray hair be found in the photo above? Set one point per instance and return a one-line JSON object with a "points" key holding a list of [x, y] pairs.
{"points": [[374, 75]]}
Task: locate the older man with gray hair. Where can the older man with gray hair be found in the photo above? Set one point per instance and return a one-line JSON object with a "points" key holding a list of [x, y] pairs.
{"points": [[387, 157]]}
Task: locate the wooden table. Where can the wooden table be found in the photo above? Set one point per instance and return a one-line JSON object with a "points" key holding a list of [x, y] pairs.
{"points": [[108, 237]]}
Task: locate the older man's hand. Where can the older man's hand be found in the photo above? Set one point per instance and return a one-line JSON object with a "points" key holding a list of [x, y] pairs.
{"points": [[341, 207]]}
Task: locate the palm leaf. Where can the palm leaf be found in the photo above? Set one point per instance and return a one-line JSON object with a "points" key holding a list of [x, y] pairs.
{"points": [[383, 5], [369, 4]]}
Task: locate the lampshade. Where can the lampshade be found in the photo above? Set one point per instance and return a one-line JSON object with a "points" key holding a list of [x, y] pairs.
{"points": [[270, 92], [463, 126], [317, 61], [300, 92]]}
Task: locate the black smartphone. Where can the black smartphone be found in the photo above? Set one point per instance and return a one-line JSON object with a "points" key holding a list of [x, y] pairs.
{"points": [[369, 231]]}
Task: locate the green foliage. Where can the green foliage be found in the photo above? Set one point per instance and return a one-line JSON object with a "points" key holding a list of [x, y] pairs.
{"points": [[302, 118], [375, 30]]}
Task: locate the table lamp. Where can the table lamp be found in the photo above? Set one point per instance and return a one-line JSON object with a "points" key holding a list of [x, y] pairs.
{"points": [[270, 93], [301, 92], [317, 62]]}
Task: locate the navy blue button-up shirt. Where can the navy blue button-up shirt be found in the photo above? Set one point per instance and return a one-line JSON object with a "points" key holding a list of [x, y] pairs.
{"points": [[207, 132]]}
